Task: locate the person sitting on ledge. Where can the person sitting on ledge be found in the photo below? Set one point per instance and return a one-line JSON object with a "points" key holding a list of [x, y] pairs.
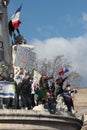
{"points": [[68, 98]]}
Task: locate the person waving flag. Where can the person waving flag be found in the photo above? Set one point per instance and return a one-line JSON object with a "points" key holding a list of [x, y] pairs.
{"points": [[14, 23], [15, 18]]}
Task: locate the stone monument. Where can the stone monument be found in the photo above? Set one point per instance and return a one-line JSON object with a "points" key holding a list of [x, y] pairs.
{"points": [[5, 48], [27, 119]]}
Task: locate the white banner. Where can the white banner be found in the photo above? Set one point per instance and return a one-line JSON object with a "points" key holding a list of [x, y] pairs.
{"points": [[25, 58], [37, 75], [7, 89]]}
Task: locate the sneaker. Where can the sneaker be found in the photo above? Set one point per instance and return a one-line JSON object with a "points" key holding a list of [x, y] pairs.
{"points": [[73, 112]]}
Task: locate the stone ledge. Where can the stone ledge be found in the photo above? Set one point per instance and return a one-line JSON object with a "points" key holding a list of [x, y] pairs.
{"points": [[37, 119]]}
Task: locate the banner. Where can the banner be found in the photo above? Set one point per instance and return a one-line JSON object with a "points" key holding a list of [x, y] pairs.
{"points": [[25, 58], [7, 89], [37, 75]]}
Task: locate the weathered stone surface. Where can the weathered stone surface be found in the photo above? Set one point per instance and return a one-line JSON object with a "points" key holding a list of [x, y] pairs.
{"points": [[4, 34], [31, 120]]}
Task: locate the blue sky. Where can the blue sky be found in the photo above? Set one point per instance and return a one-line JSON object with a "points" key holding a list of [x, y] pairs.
{"points": [[55, 27], [44, 19]]}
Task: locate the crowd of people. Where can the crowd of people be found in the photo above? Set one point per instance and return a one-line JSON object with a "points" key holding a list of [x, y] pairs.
{"points": [[30, 93]]}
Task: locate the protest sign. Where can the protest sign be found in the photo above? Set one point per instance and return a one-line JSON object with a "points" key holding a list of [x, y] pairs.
{"points": [[37, 75], [25, 58]]}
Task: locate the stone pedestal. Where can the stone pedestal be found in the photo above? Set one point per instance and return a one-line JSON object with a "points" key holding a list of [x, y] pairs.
{"points": [[37, 120]]}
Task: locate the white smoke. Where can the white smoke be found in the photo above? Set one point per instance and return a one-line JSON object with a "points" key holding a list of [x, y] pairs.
{"points": [[74, 50]]}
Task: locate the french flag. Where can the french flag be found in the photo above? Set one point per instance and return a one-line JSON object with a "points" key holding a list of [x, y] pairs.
{"points": [[63, 71], [15, 18]]}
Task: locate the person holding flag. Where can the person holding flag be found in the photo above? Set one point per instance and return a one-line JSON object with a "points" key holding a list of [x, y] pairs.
{"points": [[59, 82], [14, 23]]}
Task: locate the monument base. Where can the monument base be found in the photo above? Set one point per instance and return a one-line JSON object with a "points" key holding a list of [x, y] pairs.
{"points": [[36, 120]]}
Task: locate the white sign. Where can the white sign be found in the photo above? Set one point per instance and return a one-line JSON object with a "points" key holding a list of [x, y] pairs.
{"points": [[25, 58], [37, 75]]}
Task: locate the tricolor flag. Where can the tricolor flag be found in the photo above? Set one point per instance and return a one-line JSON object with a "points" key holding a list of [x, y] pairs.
{"points": [[15, 18], [63, 71], [14, 22]]}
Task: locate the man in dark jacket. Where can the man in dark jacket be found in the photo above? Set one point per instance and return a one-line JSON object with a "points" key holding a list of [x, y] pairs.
{"points": [[43, 83], [59, 86], [26, 93], [68, 97]]}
